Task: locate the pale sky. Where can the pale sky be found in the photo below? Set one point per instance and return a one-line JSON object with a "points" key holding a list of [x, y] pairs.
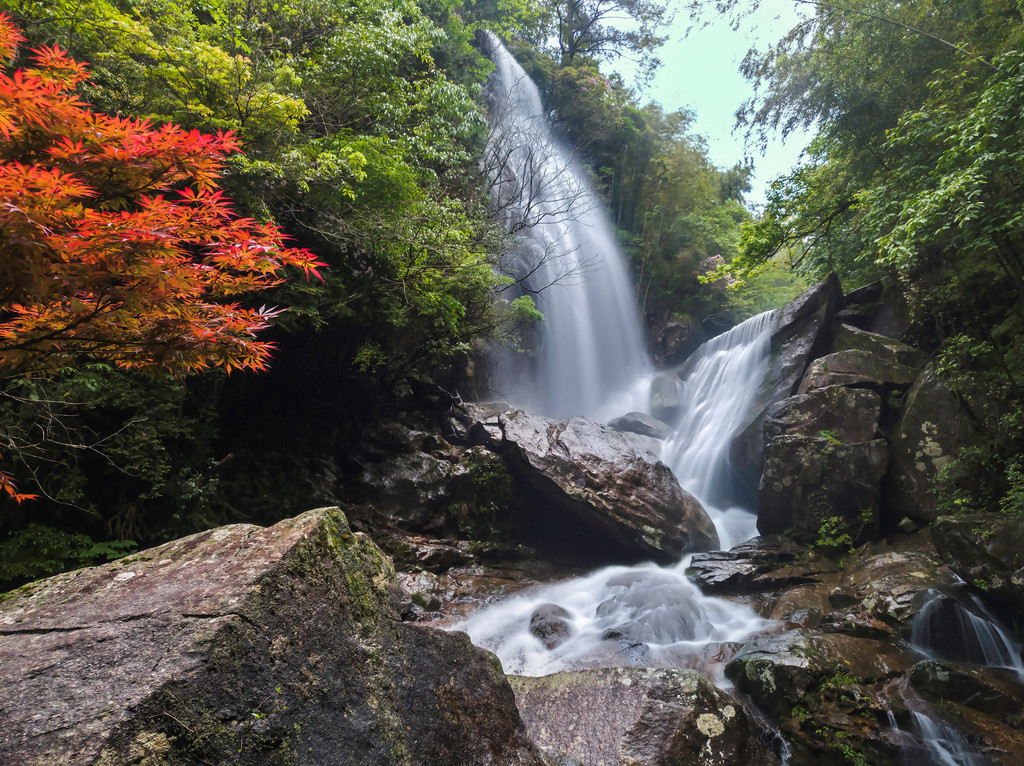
{"points": [[701, 72]]}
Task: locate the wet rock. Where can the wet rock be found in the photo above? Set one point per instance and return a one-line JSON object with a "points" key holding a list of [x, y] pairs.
{"points": [[779, 671], [803, 332], [995, 691], [808, 481], [409, 487], [761, 564], [856, 367], [601, 486], [245, 645], [641, 423], [824, 690], [676, 339], [985, 550], [892, 586], [665, 402], [550, 623], [934, 427], [983, 703], [848, 415], [638, 716]]}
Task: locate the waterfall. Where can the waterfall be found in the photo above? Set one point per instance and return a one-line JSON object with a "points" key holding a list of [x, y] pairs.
{"points": [[722, 379], [590, 350], [649, 615], [591, 360]]}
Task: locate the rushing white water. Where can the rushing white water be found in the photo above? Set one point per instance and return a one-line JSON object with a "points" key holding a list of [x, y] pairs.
{"points": [[591, 348], [649, 615], [717, 394]]}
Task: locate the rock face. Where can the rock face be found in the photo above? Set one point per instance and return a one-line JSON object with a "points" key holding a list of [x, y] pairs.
{"points": [[637, 716], [808, 480], [934, 427], [245, 645], [605, 485], [985, 550], [847, 415], [857, 367]]}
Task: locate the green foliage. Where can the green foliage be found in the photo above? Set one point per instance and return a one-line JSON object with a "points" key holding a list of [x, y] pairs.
{"points": [[825, 434], [37, 551], [833, 537]]}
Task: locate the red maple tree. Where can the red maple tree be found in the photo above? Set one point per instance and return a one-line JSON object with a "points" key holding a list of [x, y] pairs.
{"points": [[115, 241]]}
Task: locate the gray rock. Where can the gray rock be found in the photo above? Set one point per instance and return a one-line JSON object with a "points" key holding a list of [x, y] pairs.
{"points": [[641, 423], [846, 414], [753, 567], [857, 367], [605, 485], [665, 402], [638, 716], [245, 645], [550, 623], [851, 338], [780, 671], [809, 480], [985, 550]]}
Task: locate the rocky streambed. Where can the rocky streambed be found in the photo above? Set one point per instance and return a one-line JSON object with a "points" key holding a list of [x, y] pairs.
{"points": [[860, 627]]}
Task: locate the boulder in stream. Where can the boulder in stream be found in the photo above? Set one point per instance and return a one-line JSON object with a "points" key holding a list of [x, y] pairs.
{"points": [[245, 645], [592, 486]]}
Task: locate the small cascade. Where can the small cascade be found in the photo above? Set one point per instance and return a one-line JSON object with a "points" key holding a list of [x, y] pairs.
{"points": [[925, 740], [945, 628], [716, 396], [591, 348]]}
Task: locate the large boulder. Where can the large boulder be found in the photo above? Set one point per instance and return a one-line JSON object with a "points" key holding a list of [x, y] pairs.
{"points": [[808, 481], [637, 716], [245, 645], [857, 367], [803, 331], [934, 427], [847, 415], [758, 565], [594, 486], [850, 338], [823, 689]]}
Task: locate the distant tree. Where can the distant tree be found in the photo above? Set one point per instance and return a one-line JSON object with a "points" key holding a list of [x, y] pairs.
{"points": [[603, 29]]}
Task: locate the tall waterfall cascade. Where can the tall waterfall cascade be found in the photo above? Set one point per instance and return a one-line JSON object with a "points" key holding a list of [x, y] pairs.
{"points": [[591, 350]]}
